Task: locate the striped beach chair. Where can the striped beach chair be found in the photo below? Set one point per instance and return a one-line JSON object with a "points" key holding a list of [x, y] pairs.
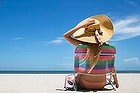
{"points": [[105, 62], [82, 65], [104, 65]]}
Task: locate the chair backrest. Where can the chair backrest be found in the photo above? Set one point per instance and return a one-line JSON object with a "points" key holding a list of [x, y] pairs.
{"points": [[105, 62]]}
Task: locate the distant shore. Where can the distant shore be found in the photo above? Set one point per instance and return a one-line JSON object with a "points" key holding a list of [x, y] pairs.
{"points": [[57, 72]]}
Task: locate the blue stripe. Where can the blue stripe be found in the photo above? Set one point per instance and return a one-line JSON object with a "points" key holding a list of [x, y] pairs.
{"points": [[97, 67], [108, 52], [86, 66]]}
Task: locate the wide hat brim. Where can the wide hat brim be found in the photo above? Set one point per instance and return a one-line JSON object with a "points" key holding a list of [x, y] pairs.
{"points": [[106, 26]]}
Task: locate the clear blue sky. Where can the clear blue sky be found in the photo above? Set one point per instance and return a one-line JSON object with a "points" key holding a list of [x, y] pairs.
{"points": [[32, 32]]}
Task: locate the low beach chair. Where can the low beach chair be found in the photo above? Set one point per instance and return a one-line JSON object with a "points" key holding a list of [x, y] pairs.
{"points": [[104, 65]]}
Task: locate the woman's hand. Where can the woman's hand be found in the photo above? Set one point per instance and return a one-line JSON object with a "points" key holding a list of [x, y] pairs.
{"points": [[82, 24], [86, 23]]}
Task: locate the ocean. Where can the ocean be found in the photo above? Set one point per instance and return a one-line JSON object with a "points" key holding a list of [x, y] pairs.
{"points": [[58, 72]]}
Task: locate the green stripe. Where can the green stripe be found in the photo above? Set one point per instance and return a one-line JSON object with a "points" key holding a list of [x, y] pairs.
{"points": [[103, 46], [108, 46], [86, 61], [104, 62]]}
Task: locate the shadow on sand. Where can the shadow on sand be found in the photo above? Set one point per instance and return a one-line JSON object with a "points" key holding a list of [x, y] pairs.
{"points": [[84, 90]]}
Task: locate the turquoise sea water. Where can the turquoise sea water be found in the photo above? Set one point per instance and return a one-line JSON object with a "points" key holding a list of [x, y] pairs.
{"points": [[58, 72]]}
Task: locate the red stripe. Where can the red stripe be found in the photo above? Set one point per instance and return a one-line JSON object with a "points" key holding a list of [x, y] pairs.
{"points": [[81, 57], [102, 71], [81, 70], [103, 58], [110, 50], [81, 50]]}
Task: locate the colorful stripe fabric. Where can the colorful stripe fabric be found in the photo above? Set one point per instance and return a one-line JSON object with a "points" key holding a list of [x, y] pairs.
{"points": [[105, 63]]}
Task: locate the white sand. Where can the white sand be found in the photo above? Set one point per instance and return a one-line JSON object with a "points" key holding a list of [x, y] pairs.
{"points": [[48, 83]]}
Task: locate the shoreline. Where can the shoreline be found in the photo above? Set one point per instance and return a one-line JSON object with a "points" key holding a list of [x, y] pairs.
{"points": [[60, 72]]}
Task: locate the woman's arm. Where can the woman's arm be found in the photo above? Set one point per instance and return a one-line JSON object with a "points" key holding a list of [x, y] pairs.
{"points": [[68, 37], [115, 78], [83, 24]]}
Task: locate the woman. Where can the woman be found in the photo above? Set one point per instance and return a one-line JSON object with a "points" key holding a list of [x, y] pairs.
{"points": [[86, 81]]}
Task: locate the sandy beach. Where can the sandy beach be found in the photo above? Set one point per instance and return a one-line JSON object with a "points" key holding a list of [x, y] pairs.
{"points": [[48, 83]]}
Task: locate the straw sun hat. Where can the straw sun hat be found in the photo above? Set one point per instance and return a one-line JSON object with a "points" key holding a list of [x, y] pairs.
{"points": [[102, 23]]}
